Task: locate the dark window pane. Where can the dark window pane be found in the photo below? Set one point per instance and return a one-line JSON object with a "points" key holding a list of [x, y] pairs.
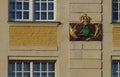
{"points": [[37, 6], [115, 6], [43, 0], [115, 15], [50, 6], [26, 74], [37, 0], [19, 5], [12, 5], [44, 74], [51, 66], [26, 66], [36, 66], [51, 75], [11, 66], [50, 0], [36, 74], [115, 0], [26, 5], [19, 15], [50, 15], [19, 74], [11, 74], [114, 74], [36, 15], [44, 66], [114, 66], [43, 6], [26, 15], [43, 15], [19, 66], [11, 15]]}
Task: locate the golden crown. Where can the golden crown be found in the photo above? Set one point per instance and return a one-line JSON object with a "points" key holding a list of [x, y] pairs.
{"points": [[85, 18]]}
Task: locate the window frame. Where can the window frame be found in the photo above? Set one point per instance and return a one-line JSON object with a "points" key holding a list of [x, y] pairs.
{"points": [[31, 12], [31, 70], [116, 11], [113, 67]]}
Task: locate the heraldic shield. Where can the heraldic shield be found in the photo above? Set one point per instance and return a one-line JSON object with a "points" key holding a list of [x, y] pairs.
{"points": [[85, 31]]}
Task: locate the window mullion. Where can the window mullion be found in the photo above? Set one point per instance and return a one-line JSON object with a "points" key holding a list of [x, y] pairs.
{"points": [[47, 9], [31, 10], [54, 10], [40, 70], [15, 9], [47, 69], [22, 10], [22, 69], [118, 69], [15, 69], [118, 10], [31, 69]]}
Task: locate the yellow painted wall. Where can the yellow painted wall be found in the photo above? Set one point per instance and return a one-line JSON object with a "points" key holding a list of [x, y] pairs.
{"points": [[116, 36], [33, 36]]}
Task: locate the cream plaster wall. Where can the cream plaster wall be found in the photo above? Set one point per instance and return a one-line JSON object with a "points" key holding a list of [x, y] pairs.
{"points": [[79, 59]]}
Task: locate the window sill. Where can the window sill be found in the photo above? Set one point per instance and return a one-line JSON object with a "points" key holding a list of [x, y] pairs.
{"points": [[115, 22], [35, 23]]}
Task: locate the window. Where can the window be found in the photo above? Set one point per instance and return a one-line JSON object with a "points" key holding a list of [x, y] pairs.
{"points": [[31, 10], [116, 10], [116, 69], [31, 69]]}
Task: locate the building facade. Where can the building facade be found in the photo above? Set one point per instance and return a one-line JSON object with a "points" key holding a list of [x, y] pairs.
{"points": [[36, 38]]}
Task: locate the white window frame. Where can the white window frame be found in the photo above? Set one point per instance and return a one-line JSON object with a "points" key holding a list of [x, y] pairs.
{"points": [[31, 67], [31, 12], [118, 69], [118, 11]]}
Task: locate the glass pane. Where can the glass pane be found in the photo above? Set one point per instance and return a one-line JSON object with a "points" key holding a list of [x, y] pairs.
{"points": [[43, 16], [114, 66], [19, 15], [26, 15], [19, 66], [11, 74], [50, 15], [44, 74], [11, 66], [37, 0], [26, 66], [114, 74], [37, 6], [12, 15], [36, 66], [115, 15], [12, 6], [19, 5], [43, 6], [26, 74], [115, 6], [51, 75], [43, 0], [51, 66], [50, 0], [19, 74], [36, 74], [115, 0], [50, 6], [44, 66], [36, 15], [26, 5]]}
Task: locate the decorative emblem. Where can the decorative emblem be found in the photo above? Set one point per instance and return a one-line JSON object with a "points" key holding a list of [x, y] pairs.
{"points": [[85, 31]]}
